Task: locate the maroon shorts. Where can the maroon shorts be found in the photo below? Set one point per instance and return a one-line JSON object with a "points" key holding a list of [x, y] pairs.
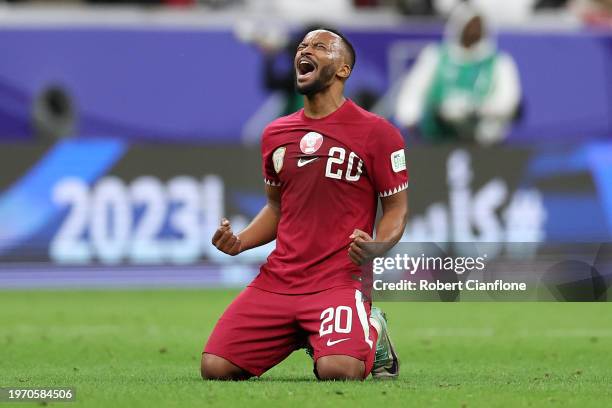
{"points": [[260, 329]]}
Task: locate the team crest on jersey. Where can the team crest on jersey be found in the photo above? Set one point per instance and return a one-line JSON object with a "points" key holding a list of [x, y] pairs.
{"points": [[398, 161], [311, 142], [277, 159]]}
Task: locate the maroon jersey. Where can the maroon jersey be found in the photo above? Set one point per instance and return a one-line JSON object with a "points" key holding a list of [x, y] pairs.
{"points": [[331, 172]]}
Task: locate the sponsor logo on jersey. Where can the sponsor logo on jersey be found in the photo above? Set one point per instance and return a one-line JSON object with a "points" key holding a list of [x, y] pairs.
{"points": [[398, 161], [277, 159], [302, 162], [311, 142]]}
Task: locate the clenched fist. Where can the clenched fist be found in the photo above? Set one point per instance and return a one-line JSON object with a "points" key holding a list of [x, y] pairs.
{"points": [[225, 240], [359, 252]]}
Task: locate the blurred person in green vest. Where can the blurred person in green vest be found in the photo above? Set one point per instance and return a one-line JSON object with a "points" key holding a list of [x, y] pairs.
{"points": [[462, 89]]}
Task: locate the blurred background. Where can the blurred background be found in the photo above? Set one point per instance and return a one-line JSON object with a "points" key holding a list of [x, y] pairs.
{"points": [[129, 128]]}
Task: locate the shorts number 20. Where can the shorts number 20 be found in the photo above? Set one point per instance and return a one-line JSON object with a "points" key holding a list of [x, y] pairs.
{"points": [[337, 320]]}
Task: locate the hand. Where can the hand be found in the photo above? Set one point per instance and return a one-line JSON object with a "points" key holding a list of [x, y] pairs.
{"points": [[225, 240], [358, 251]]}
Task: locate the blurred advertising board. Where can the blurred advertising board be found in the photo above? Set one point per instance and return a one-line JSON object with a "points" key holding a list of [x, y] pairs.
{"points": [[104, 203]]}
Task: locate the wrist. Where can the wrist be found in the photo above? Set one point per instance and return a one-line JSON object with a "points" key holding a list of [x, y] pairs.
{"points": [[381, 246], [240, 237]]}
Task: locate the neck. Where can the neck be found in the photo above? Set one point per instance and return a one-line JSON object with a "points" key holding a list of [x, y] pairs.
{"points": [[323, 103]]}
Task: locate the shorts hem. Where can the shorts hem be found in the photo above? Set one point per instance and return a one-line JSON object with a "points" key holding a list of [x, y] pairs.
{"points": [[337, 353]]}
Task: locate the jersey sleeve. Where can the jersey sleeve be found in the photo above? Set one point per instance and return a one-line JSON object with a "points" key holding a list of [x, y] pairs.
{"points": [[269, 173], [387, 159]]}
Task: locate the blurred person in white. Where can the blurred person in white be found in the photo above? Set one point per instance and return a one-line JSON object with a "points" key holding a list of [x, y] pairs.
{"points": [[463, 88]]}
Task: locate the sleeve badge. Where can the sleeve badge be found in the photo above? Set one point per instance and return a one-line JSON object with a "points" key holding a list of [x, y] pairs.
{"points": [[398, 161], [277, 159]]}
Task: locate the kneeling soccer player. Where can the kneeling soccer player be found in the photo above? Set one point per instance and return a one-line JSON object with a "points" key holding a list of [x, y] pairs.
{"points": [[325, 167]]}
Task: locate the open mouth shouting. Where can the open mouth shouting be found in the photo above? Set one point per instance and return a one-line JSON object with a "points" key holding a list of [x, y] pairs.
{"points": [[305, 69]]}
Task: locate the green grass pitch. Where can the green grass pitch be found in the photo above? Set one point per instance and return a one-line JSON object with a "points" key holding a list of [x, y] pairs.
{"points": [[142, 349]]}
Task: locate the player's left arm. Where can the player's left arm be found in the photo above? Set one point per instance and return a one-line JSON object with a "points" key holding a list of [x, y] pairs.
{"points": [[389, 175], [389, 230]]}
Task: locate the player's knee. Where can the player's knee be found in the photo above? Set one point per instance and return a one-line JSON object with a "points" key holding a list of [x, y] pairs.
{"points": [[217, 368], [340, 368]]}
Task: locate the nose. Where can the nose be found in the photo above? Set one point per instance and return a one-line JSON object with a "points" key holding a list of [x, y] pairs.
{"points": [[305, 51]]}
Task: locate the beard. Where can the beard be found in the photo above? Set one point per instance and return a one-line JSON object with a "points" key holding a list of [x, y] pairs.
{"points": [[322, 82]]}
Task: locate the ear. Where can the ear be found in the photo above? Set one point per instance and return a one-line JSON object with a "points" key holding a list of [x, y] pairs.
{"points": [[344, 71]]}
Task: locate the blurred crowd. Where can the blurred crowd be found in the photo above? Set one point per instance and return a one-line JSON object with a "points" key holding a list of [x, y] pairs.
{"points": [[461, 88], [591, 11]]}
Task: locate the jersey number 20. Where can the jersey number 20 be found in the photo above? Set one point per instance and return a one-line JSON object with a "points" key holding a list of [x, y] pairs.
{"points": [[334, 170]]}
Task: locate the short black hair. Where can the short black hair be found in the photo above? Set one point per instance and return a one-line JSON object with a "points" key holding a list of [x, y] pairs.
{"points": [[347, 44]]}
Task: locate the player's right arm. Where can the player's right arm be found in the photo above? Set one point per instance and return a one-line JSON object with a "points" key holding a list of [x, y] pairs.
{"points": [[259, 232]]}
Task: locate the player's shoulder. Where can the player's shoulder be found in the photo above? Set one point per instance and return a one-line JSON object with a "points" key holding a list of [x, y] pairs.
{"points": [[278, 126], [283, 122], [362, 115], [383, 128], [274, 132], [384, 136], [375, 121]]}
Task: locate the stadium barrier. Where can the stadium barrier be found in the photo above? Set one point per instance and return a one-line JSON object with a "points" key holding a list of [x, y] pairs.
{"points": [[86, 205]]}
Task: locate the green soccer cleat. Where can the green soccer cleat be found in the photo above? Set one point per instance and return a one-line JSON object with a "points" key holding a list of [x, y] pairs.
{"points": [[386, 363]]}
